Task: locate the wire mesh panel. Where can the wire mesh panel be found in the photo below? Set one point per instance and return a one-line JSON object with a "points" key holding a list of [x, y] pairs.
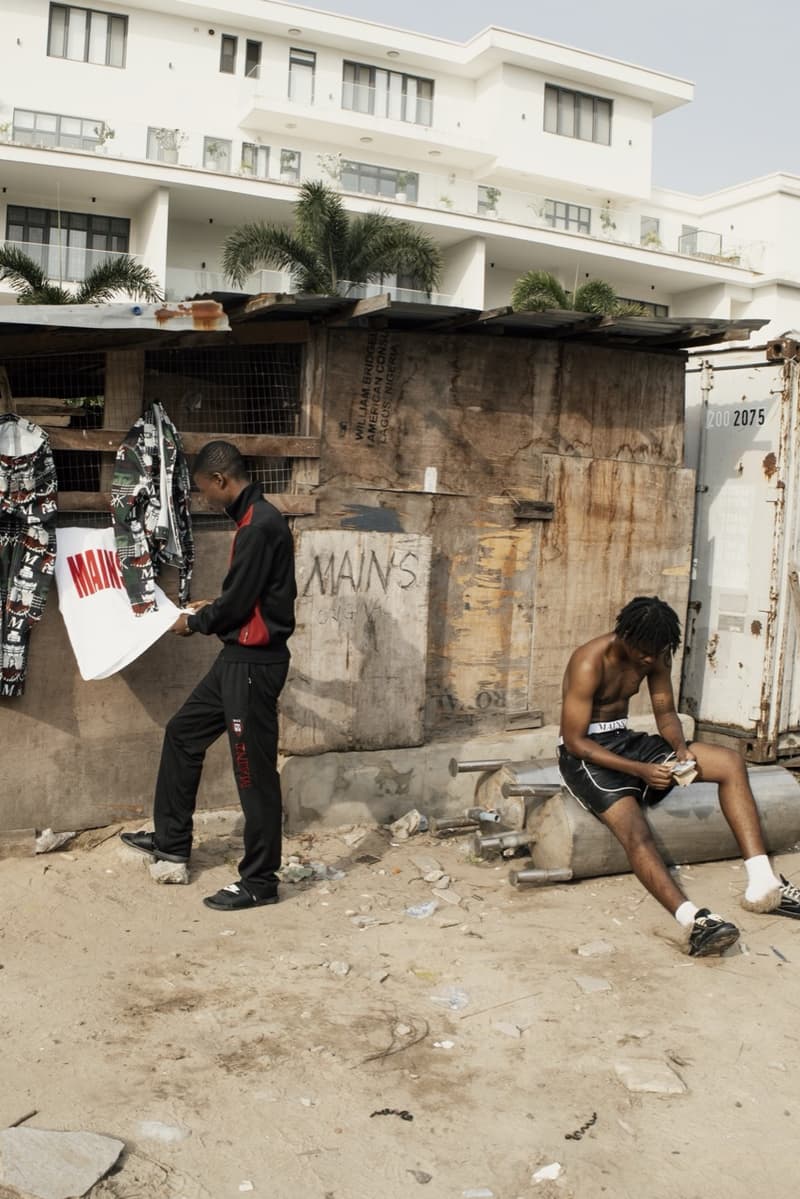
{"points": [[232, 390]]}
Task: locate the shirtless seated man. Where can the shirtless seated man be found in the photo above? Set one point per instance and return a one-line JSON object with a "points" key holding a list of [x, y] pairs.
{"points": [[614, 772]]}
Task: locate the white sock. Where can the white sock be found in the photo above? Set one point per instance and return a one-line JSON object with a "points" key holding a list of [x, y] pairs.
{"points": [[761, 878], [686, 913]]}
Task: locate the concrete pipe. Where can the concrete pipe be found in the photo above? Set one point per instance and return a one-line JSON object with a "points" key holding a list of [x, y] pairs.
{"points": [[477, 766], [688, 827]]}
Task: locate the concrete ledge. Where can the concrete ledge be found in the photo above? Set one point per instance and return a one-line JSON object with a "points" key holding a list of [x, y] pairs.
{"points": [[377, 786]]}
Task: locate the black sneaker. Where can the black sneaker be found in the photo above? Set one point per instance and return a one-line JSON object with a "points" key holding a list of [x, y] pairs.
{"points": [[790, 901], [146, 843], [235, 897], [710, 934]]}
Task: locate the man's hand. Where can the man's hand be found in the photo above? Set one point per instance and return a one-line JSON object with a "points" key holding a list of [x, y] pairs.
{"points": [[196, 605], [181, 626], [657, 775]]}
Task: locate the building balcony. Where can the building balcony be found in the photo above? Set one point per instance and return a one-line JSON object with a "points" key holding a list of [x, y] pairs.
{"points": [[64, 264]]}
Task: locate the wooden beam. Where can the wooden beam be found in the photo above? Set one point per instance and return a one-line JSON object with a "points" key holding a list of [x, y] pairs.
{"points": [[100, 501], [255, 333], [370, 307], [252, 445]]}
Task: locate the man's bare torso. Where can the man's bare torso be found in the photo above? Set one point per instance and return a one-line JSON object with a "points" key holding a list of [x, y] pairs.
{"points": [[620, 679]]}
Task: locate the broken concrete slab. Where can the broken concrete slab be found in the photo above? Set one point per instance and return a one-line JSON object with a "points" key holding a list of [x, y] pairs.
{"points": [[169, 872], [589, 984], [595, 949], [649, 1074], [55, 1165]]}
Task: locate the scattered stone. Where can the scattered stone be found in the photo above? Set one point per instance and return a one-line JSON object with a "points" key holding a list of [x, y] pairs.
{"points": [[412, 822], [168, 872], [447, 896], [246, 1185], [402, 1030], [426, 864], [155, 1130], [379, 976], [443, 1044], [364, 921], [47, 841], [55, 1165], [650, 1074], [595, 949], [340, 968], [510, 1030], [355, 836], [589, 984], [295, 873], [421, 1176], [420, 911], [547, 1173], [434, 876], [306, 1102]]}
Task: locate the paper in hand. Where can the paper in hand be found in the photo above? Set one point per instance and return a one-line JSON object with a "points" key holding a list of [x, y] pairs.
{"points": [[684, 772]]}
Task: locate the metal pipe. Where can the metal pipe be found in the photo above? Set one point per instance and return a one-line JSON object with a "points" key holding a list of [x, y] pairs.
{"points": [[456, 827], [531, 877], [482, 815], [529, 790], [499, 842], [457, 767]]}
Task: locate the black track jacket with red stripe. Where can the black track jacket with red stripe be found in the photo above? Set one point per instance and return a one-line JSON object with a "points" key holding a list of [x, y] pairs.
{"points": [[254, 614]]}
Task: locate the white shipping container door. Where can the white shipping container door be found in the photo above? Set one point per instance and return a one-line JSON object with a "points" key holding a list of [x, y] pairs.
{"points": [[735, 678]]}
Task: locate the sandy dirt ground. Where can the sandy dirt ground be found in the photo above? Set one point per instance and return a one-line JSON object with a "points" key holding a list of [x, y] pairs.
{"points": [[130, 1009]]}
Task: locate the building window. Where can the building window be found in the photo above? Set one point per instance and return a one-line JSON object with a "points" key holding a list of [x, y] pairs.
{"points": [[302, 65], [252, 60], [649, 231], [487, 200], [255, 160], [387, 94], [217, 154], [379, 181], [649, 309], [85, 35], [568, 216], [67, 245], [53, 129], [290, 166], [576, 114], [227, 54]]}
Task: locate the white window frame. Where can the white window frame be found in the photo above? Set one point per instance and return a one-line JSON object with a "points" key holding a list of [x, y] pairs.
{"points": [[569, 113], [87, 37]]}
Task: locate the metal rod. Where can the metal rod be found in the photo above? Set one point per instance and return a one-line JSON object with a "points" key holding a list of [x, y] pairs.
{"points": [[530, 790], [483, 815], [532, 877], [499, 842], [457, 767]]}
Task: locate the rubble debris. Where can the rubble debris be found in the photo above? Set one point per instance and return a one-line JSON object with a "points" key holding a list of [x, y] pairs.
{"points": [[340, 968], [412, 822], [168, 872], [392, 1111], [547, 1173], [650, 1074], [55, 1165], [595, 949], [48, 841], [420, 911], [589, 984], [421, 1176]]}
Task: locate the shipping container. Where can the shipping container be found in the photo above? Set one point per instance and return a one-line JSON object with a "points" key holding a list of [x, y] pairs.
{"points": [[740, 680]]}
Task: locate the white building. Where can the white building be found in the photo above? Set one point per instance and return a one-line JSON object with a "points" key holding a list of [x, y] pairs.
{"points": [[156, 129]]}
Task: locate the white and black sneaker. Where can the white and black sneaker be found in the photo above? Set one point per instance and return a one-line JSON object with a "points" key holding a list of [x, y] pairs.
{"points": [[710, 934], [789, 902], [236, 897]]}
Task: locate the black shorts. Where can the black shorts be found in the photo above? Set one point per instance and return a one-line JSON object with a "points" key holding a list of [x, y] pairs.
{"points": [[596, 788]]}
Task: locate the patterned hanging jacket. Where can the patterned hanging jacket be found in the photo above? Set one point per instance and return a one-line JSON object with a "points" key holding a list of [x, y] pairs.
{"points": [[150, 506], [28, 491]]}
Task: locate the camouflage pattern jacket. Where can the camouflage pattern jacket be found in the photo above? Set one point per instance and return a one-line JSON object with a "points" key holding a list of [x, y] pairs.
{"points": [[27, 541], [150, 506]]}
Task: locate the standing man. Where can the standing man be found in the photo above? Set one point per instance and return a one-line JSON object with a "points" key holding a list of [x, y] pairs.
{"points": [[614, 772], [253, 618]]}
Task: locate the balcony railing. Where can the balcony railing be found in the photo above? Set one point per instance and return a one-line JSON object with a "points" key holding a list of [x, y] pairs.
{"points": [[283, 164], [183, 283], [382, 102], [65, 263]]}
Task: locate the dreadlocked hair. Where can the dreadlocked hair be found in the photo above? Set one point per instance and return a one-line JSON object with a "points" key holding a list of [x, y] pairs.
{"points": [[648, 623]]}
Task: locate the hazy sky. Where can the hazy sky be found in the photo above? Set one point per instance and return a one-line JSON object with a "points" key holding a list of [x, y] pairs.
{"points": [[740, 56]]}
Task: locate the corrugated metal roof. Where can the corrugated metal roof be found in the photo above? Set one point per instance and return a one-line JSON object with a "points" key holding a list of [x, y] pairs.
{"points": [[131, 323]]}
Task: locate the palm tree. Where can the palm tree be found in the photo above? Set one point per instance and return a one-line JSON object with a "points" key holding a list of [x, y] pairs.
{"points": [[539, 291], [330, 250], [121, 274]]}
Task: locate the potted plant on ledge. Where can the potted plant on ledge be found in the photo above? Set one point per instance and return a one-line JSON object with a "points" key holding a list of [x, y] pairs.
{"points": [[216, 155], [331, 164], [400, 185], [607, 219], [490, 197], [104, 133], [290, 166], [169, 142]]}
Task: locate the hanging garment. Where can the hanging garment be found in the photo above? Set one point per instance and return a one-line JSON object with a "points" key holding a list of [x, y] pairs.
{"points": [[150, 506], [28, 492], [104, 633]]}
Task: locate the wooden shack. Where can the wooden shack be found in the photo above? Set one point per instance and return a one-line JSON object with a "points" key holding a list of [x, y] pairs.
{"points": [[472, 494]]}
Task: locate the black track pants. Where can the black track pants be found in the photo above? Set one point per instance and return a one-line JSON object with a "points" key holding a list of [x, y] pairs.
{"points": [[242, 698]]}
